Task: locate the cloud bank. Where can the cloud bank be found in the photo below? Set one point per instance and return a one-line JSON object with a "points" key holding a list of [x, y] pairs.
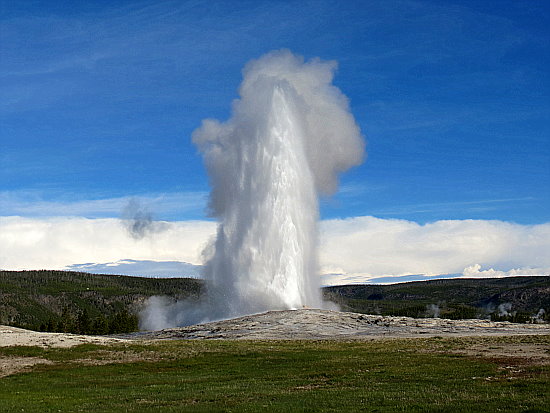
{"points": [[371, 246], [141, 268], [56, 243], [351, 250]]}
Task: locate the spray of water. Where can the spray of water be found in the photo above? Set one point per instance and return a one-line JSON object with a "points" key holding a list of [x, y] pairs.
{"points": [[290, 134]]}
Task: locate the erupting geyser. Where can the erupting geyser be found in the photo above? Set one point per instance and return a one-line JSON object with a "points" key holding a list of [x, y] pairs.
{"points": [[290, 134]]}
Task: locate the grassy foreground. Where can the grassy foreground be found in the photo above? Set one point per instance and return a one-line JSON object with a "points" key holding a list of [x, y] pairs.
{"points": [[424, 375]]}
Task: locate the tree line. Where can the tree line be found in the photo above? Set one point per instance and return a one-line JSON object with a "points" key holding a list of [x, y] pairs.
{"points": [[82, 323]]}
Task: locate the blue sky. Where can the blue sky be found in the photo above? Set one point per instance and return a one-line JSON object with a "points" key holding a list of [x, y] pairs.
{"points": [[99, 99]]}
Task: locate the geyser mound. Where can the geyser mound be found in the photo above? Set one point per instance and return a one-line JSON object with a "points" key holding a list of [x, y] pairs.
{"points": [[290, 134]]}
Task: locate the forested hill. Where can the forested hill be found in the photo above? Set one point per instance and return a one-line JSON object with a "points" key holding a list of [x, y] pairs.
{"points": [[63, 299], [102, 304], [502, 299]]}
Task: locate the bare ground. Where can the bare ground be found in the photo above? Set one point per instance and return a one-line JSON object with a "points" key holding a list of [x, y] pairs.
{"points": [[11, 365], [310, 324], [314, 324], [13, 336]]}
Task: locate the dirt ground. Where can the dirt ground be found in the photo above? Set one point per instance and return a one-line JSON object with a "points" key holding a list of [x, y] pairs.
{"points": [[311, 324], [12, 336], [11, 365], [314, 324]]}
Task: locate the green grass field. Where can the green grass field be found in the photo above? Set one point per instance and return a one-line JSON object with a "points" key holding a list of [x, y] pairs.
{"points": [[424, 375]]}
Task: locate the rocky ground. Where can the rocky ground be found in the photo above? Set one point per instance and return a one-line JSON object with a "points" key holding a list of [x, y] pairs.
{"points": [[306, 324], [311, 324], [12, 336]]}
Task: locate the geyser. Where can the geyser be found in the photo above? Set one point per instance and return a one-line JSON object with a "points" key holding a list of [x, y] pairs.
{"points": [[290, 134]]}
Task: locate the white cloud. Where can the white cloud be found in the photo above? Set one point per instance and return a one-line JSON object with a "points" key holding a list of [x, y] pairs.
{"points": [[141, 268], [373, 247], [351, 251], [55, 243], [475, 270]]}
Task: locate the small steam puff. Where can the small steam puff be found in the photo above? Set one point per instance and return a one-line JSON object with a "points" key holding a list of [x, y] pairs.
{"points": [[291, 133], [505, 310], [163, 312], [432, 311], [539, 317], [138, 220]]}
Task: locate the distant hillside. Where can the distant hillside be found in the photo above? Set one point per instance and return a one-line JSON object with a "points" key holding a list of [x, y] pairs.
{"points": [[101, 304], [32, 299], [510, 298]]}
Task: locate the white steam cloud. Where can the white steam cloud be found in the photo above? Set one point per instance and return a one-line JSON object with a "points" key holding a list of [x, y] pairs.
{"points": [[505, 310], [539, 317], [433, 310], [138, 220], [290, 134]]}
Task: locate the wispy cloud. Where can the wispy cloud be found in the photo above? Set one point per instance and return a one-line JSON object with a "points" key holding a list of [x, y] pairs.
{"points": [[34, 204], [444, 207], [422, 77], [346, 279], [163, 38], [141, 268]]}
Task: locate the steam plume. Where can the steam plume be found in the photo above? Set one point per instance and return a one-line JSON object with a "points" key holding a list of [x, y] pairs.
{"points": [[290, 134], [505, 310], [433, 310], [539, 317], [138, 220]]}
